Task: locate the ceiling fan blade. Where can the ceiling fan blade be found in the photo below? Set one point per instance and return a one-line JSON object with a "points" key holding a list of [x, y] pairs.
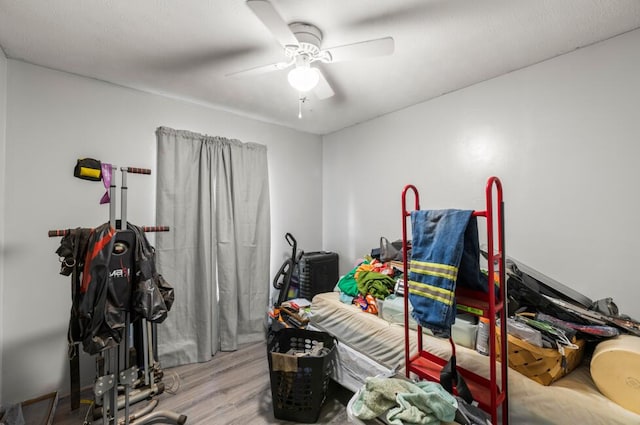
{"points": [[263, 69], [265, 11], [363, 49], [323, 90]]}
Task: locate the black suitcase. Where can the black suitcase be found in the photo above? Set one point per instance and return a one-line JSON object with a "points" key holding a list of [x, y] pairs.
{"points": [[318, 273]]}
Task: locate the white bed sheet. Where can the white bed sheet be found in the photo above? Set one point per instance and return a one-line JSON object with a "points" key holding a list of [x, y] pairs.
{"points": [[572, 399]]}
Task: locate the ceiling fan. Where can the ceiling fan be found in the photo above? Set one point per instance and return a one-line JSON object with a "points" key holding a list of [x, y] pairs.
{"points": [[302, 43]]}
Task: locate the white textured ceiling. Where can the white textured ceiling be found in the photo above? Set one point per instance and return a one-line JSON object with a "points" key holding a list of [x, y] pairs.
{"points": [[184, 48]]}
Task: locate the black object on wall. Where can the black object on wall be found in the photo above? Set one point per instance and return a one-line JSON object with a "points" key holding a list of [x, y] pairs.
{"points": [[318, 273]]}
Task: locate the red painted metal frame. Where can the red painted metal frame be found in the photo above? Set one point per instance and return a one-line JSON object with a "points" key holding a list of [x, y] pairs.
{"points": [[426, 365]]}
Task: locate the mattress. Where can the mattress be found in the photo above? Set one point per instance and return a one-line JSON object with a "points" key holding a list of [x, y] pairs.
{"points": [[574, 398]]}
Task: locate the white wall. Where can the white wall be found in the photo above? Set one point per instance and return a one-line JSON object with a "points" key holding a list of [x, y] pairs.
{"points": [[53, 118], [3, 115], [562, 135]]}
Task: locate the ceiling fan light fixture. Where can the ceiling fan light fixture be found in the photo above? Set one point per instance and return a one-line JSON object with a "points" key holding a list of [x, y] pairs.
{"points": [[303, 78]]}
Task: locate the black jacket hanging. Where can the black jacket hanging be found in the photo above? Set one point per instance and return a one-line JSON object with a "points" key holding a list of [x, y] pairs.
{"points": [[104, 293], [71, 251], [113, 272], [152, 295]]}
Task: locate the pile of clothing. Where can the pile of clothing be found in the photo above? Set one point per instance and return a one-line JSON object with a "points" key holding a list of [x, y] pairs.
{"points": [[368, 281]]}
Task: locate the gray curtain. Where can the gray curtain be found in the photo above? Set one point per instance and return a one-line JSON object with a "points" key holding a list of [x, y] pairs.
{"points": [[214, 194]]}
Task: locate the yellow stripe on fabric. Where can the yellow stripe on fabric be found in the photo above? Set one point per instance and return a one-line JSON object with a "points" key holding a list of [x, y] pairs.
{"points": [[433, 269], [434, 265], [433, 297], [426, 286], [442, 275]]}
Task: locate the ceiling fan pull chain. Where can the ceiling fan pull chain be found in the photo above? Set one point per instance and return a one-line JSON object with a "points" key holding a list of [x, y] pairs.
{"points": [[299, 107]]}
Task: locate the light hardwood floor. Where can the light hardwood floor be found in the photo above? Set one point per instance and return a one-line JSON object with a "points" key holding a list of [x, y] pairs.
{"points": [[232, 388]]}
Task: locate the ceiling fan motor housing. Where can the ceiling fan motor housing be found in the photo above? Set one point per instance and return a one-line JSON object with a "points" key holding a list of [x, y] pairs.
{"points": [[309, 38]]}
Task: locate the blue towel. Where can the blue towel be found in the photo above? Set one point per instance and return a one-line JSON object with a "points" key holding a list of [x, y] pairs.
{"points": [[445, 253]]}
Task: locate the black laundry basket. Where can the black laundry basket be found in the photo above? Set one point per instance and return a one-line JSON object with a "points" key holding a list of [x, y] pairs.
{"points": [[298, 395]]}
